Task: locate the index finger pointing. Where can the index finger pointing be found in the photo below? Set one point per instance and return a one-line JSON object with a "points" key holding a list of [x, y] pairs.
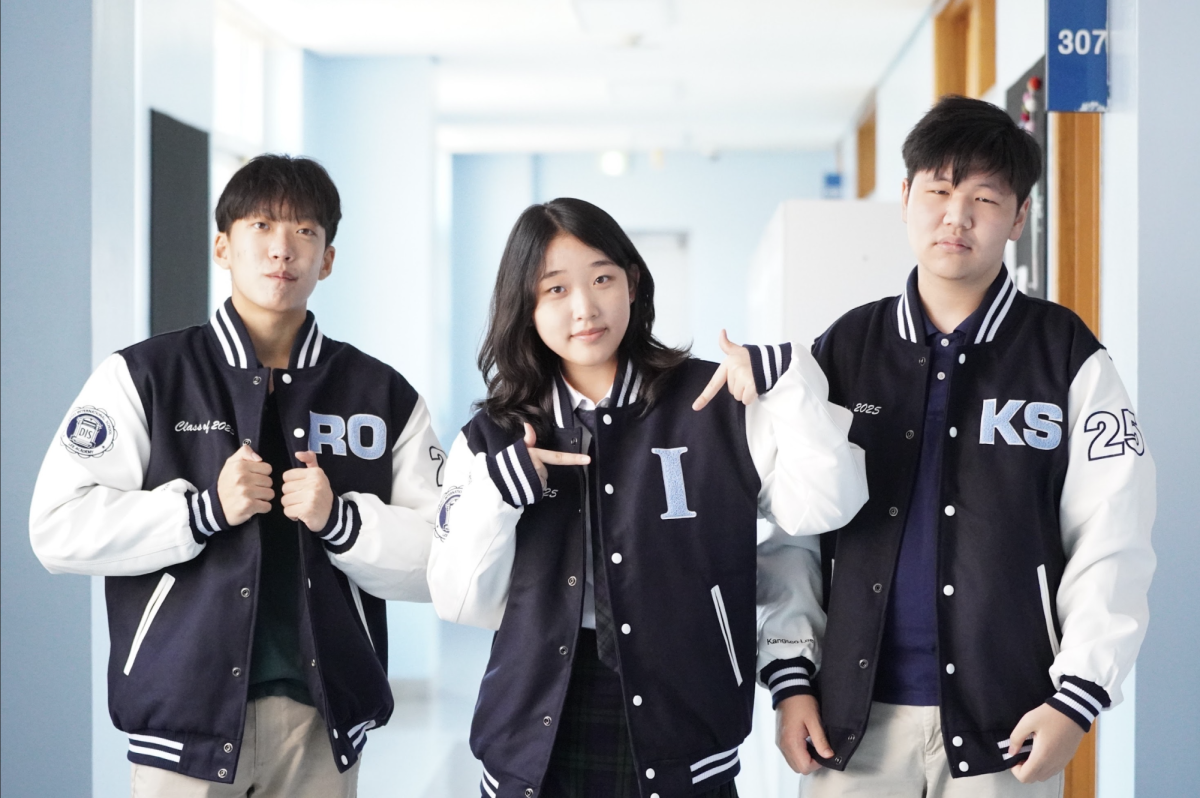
{"points": [[560, 458], [710, 390]]}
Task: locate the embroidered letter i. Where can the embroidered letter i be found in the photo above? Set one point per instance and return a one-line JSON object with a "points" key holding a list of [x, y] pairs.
{"points": [[672, 470]]}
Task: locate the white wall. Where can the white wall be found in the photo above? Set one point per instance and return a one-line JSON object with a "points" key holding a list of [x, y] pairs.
{"points": [[903, 97]]}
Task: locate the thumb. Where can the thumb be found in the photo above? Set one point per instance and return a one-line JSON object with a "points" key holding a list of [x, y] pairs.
{"points": [[1022, 730], [727, 346], [816, 733], [246, 453], [530, 436], [308, 458]]}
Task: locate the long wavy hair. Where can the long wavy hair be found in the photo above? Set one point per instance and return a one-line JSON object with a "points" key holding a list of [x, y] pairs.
{"points": [[516, 364]]}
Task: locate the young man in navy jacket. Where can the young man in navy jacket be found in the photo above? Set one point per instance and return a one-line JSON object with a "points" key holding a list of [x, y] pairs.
{"points": [[987, 602], [252, 491]]}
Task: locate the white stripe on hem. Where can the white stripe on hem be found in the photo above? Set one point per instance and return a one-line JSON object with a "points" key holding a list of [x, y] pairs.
{"points": [[708, 760], [137, 749], [708, 774], [146, 738]]}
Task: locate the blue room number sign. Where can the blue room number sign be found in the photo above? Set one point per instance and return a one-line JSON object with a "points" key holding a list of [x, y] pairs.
{"points": [[1077, 55]]}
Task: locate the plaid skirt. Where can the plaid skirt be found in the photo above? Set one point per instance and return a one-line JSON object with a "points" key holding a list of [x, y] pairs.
{"points": [[592, 755]]}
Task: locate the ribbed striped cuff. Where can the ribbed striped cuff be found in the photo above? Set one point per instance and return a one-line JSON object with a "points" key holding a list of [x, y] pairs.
{"points": [[513, 472], [788, 677], [769, 362], [342, 528], [205, 514], [1080, 700]]}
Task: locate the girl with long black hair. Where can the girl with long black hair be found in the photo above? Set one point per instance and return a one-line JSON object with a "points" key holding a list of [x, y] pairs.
{"points": [[599, 512]]}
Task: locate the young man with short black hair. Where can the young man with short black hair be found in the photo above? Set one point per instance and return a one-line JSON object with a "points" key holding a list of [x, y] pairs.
{"points": [[253, 491], [990, 598]]}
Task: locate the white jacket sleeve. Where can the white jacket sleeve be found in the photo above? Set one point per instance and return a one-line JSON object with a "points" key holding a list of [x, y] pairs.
{"points": [[89, 513], [813, 479], [790, 619], [470, 565], [384, 547], [1106, 512]]}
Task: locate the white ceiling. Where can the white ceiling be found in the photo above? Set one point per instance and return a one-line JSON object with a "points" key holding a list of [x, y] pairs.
{"points": [[555, 75]]}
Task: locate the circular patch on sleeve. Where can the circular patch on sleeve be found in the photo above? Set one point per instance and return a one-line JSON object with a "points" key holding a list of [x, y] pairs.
{"points": [[443, 524], [90, 432]]}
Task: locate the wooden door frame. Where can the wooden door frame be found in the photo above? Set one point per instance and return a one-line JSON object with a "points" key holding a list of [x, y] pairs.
{"points": [[1075, 220]]}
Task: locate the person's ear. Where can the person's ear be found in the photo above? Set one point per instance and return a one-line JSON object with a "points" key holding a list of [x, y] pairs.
{"points": [[1019, 223], [221, 251], [632, 275], [904, 187], [327, 262]]}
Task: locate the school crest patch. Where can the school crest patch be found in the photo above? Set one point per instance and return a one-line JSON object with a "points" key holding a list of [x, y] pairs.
{"points": [[443, 525], [90, 432]]}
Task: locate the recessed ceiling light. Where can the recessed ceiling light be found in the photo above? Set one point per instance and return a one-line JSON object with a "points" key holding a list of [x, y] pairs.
{"points": [[614, 163]]}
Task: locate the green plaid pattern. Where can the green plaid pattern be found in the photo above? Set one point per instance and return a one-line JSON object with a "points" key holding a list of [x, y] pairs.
{"points": [[592, 755]]}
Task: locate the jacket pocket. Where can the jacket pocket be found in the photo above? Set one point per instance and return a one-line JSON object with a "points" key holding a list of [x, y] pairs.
{"points": [[1044, 587], [723, 621], [156, 600], [358, 605]]}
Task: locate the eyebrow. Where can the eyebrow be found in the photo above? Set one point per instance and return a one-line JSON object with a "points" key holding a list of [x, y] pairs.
{"points": [[557, 272]]}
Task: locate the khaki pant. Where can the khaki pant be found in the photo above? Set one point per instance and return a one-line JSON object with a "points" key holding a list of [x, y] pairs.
{"points": [[285, 752], [901, 756]]}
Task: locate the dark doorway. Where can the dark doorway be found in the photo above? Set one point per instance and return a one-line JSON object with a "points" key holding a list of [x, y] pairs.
{"points": [[1026, 100], [179, 256]]}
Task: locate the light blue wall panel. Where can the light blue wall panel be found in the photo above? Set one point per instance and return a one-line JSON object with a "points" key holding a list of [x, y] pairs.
{"points": [[1168, 693], [46, 340]]}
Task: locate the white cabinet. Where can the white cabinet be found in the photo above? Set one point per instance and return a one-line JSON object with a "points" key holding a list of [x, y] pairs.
{"points": [[818, 259]]}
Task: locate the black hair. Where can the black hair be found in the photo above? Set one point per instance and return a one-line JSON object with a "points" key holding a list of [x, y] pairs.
{"points": [[516, 364], [281, 187], [973, 137]]}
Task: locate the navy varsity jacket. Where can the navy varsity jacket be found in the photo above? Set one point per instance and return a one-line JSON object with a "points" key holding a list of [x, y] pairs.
{"points": [[128, 491], [1046, 503], [699, 606]]}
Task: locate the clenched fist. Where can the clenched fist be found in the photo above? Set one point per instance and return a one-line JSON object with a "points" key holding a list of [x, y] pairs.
{"points": [[244, 486], [307, 496]]}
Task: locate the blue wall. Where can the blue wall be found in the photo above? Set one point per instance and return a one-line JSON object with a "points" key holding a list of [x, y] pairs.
{"points": [[1168, 697], [723, 204], [370, 122], [45, 285]]}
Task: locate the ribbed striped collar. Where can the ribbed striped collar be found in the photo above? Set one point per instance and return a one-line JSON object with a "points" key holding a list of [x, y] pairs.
{"points": [[625, 388], [235, 341], [980, 327]]}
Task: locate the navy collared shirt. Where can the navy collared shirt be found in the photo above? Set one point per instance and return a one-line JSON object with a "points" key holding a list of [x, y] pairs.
{"points": [[908, 658]]}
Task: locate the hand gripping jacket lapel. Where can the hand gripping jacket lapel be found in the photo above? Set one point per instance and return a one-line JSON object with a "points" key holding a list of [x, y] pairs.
{"points": [[182, 586]]}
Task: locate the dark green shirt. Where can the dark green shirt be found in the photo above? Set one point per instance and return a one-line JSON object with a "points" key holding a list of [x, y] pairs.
{"points": [[275, 665]]}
